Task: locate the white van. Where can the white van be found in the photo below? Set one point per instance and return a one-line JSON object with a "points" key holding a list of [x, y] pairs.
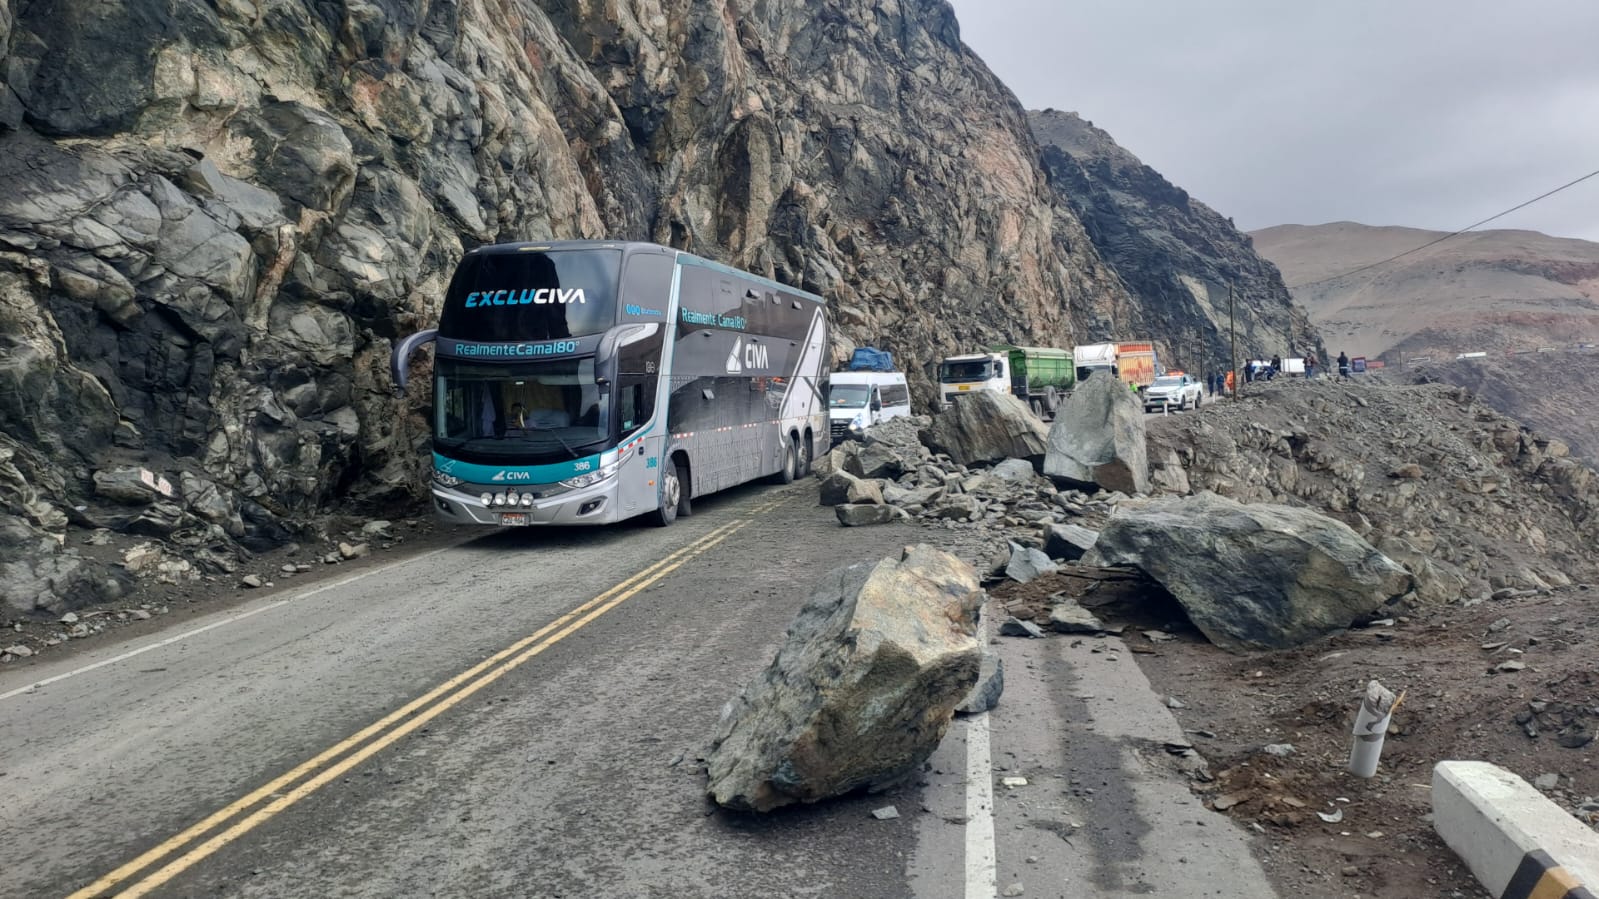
{"points": [[856, 400]]}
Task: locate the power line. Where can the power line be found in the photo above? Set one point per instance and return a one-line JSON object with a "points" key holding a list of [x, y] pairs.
{"points": [[1451, 234]]}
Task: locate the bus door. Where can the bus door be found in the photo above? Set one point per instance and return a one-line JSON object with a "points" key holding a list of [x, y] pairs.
{"points": [[640, 450]]}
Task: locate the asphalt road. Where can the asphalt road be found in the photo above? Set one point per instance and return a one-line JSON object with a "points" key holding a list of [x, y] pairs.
{"points": [[523, 714]]}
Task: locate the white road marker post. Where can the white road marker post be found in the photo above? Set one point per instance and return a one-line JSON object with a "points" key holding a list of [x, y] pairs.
{"points": [[1371, 728]]}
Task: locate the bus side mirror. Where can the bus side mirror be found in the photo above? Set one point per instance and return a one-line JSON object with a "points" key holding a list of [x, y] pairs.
{"points": [[400, 359]]}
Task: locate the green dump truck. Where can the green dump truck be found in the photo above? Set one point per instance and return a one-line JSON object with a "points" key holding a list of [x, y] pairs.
{"points": [[1038, 376]]}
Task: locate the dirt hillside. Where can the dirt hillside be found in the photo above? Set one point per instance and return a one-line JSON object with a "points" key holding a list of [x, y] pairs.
{"points": [[1488, 291]]}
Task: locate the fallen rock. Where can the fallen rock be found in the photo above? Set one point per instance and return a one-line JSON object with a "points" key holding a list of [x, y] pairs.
{"points": [[986, 427], [253, 581], [886, 813], [862, 690], [1015, 627], [895, 495], [875, 460], [958, 508], [1068, 541], [1098, 439], [1068, 617], [1436, 581], [834, 460], [1027, 564], [38, 573], [842, 487], [990, 684], [1254, 576], [19, 650], [353, 550], [854, 515], [1408, 471], [1019, 471]]}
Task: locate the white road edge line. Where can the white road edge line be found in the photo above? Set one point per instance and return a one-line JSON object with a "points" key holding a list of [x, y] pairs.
{"points": [[982, 867], [215, 624], [982, 863]]}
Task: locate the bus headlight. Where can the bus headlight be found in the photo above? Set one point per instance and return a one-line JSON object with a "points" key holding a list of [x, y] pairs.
{"points": [[445, 479], [487, 499], [593, 477]]}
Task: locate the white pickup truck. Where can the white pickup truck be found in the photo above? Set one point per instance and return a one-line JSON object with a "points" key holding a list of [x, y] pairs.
{"points": [[1173, 392]]}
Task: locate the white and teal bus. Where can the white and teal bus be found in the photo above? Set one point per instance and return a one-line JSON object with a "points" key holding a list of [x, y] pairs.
{"points": [[587, 382]]}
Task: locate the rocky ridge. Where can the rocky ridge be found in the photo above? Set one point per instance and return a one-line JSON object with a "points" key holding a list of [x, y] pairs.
{"points": [[1176, 255]]}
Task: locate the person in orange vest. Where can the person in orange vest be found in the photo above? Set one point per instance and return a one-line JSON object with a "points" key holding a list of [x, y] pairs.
{"points": [[1230, 381]]}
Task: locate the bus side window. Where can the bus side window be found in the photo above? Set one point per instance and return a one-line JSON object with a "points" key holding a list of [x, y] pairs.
{"points": [[629, 406], [636, 396]]}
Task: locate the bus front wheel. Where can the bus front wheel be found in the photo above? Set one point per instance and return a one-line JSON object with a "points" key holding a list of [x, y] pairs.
{"points": [[674, 496]]}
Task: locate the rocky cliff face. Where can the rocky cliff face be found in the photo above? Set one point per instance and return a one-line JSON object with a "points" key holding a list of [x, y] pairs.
{"points": [[1176, 255], [218, 215]]}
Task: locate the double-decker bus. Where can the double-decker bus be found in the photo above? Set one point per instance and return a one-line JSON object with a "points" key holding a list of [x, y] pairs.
{"points": [[587, 382]]}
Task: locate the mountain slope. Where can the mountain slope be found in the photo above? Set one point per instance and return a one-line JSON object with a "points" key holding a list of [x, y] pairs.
{"points": [[218, 215], [1176, 255], [1488, 291]]}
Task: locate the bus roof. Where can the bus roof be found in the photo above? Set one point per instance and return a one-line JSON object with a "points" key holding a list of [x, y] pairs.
{"points": [[533, 246]]}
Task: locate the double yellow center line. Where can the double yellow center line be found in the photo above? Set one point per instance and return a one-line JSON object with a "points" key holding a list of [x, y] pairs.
{"points": [[337, 760]]}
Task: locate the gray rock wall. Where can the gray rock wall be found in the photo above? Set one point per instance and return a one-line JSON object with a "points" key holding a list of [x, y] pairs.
{"points": [[219, 214]]}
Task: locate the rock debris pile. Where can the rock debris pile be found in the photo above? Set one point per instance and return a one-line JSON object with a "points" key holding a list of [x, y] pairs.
{"points": [[1470, 501], [1302, 510]]}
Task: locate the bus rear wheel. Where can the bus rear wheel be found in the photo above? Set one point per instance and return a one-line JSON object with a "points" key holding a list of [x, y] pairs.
{"points": [[674, 497], [790, 469]]}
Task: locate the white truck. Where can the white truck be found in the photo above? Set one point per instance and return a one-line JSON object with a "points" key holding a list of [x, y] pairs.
{"points": [[961, 375], [1094, 358], [1038, 376]]}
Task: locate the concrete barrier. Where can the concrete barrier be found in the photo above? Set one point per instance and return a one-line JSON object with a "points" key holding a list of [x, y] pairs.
{"points": [[1518, 843]]}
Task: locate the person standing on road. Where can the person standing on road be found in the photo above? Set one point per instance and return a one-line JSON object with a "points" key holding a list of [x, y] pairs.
{"points": [[1276, 367], [1343, 366], [1310, 366]]}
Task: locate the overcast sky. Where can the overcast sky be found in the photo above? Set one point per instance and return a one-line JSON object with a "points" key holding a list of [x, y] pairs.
{"points": [[1427, 113]]}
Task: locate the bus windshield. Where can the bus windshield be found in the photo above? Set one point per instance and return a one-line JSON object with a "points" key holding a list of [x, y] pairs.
{"points": [[549, 295], [536, 412], [973, 370], [847, 396]]}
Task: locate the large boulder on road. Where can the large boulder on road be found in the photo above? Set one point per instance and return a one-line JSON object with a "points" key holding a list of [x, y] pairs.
{"points": [[986, 427], [1253, 576], [1098, 439], [861, 691]]}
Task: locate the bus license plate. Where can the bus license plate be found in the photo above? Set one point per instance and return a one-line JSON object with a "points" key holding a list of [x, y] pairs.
{"points": [[509, 519], [964, 387]]}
